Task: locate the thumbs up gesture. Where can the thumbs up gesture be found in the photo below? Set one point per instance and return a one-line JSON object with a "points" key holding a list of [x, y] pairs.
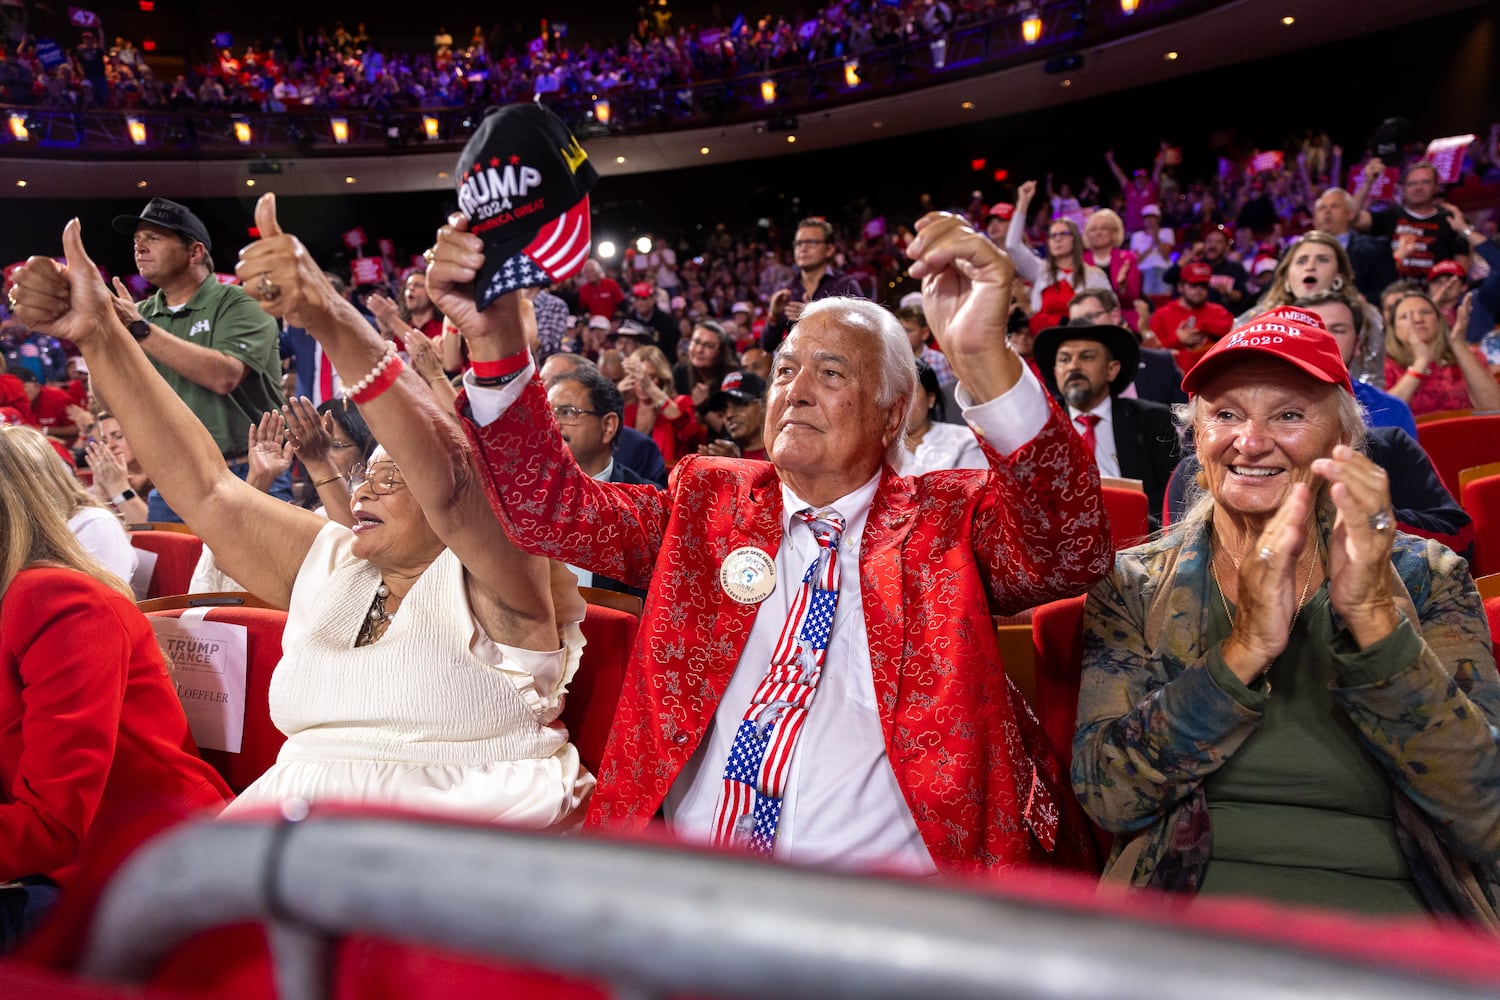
{"points": [[68, 301], [278, 272]]}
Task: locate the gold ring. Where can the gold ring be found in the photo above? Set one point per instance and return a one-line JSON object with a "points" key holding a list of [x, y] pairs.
{"points": [[429, 254], [265, 288]]}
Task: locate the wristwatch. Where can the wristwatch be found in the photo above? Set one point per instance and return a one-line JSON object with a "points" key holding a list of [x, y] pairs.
{"points": [[139, 329], [124, 495]]}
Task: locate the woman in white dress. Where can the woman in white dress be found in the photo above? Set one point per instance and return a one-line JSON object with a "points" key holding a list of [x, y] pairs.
{"points": [[97, 528], [932, 444], [425, 657]]}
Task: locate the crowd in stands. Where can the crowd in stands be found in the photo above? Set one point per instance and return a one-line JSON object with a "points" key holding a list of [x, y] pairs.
{"points": [[1122, 296], [348, 69]]}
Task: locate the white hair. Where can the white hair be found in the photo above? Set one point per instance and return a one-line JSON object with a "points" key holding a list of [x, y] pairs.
{"points": [[898, 366]]}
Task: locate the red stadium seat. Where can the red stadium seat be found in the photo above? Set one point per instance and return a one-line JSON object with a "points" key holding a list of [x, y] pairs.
{"points": [[1057, 642], [1492, 612], [1128, 515], [589, 710], [1481, 500], [176, 557], [261, 740], [1459, 442]]}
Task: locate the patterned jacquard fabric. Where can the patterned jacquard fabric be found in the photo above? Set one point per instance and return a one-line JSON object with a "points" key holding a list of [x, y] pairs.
{"points": [[940, 555]]}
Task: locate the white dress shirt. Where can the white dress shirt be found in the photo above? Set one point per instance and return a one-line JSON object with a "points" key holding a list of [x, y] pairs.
{"points": [[843, 805]]}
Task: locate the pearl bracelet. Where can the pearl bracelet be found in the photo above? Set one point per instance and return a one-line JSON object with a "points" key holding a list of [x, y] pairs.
{"points": [[374, 373]]}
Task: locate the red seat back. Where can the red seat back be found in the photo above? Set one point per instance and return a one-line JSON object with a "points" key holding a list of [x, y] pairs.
{"points": [[176, 558], [1128, 521], [262, 740], [1481, 499], [1057, 637], [1492, 611], [595, 690], [1458, 443]]}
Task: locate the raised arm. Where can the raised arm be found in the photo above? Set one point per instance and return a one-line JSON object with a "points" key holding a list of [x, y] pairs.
{"points": [[966, 296], [409, 422], [257, 539], [545, 501], [1360, 217], [1114, 168], [1023, 261]]}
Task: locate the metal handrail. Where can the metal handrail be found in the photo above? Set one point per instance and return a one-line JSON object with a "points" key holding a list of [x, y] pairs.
{"points": [[655, 920]]}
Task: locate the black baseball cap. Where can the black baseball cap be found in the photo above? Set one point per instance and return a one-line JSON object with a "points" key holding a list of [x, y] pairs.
{"points": [[743, 387], [523, 180], [169, 215]]}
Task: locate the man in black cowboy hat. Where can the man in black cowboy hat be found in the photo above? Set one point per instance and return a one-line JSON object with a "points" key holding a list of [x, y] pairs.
{"points": [[1088, 365], [212, 343]]}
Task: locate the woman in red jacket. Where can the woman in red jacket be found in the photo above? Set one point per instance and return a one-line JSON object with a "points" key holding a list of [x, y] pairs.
{"points": [[91, 731]]}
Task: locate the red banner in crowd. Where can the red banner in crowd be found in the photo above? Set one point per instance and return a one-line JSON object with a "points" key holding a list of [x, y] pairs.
{"points": [[1263, 162], [227, 279], [355, 238], [1447, 155], [366, 270], [1384, 187], [387, 249]]}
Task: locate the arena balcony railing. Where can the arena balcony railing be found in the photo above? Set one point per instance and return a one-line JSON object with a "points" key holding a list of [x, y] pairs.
{"points": [[1061, 31]]}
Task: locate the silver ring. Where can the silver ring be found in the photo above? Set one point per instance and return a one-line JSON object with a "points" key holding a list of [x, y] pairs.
{"points": [[1265, 552], [266, 289], [1383, 521]]}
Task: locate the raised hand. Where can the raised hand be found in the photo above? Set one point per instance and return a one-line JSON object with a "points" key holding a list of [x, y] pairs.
{"points": [[1267, 589], [387, 314], [1359, 549], [307, 433], [452, 264], [278, 271], [110, 474], [270, 453], [125, 307], [966, 282], [424, 356], [70, 302]]}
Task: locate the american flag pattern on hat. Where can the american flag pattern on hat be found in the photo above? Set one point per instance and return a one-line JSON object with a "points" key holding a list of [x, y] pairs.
{"points": [[555, 254]]}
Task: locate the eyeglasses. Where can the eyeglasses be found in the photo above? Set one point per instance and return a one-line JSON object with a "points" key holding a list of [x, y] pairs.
{"points": [[381, 478], [711, 345], [799, 244], [570, 414]]}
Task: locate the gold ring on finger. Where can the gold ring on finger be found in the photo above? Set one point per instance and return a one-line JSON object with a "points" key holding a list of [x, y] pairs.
{"points": [[1382, 521], [266, 289]]}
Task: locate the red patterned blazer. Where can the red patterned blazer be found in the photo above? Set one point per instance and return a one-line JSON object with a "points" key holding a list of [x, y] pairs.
{"points": [[940, 555]]}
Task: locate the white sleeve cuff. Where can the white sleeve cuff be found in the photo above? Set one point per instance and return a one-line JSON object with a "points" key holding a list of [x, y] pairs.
{"points": [[1012, 418], [488, 404]]}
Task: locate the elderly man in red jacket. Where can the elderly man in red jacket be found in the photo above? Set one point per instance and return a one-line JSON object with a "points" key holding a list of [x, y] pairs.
{"points": [[816, 677]]}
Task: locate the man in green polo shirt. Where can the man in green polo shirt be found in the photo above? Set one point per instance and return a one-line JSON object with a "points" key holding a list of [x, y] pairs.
{"points": [[212, 343]]}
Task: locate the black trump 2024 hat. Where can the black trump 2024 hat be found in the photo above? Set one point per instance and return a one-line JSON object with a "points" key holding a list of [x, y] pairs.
{"points": [[523, 180]]}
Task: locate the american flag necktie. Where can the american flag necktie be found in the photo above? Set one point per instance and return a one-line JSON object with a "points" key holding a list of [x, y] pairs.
{"points": [[760, 758]]}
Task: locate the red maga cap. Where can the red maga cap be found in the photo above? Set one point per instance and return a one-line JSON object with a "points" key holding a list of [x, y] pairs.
{"points": [[1196, 273], [1278, 334]]}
